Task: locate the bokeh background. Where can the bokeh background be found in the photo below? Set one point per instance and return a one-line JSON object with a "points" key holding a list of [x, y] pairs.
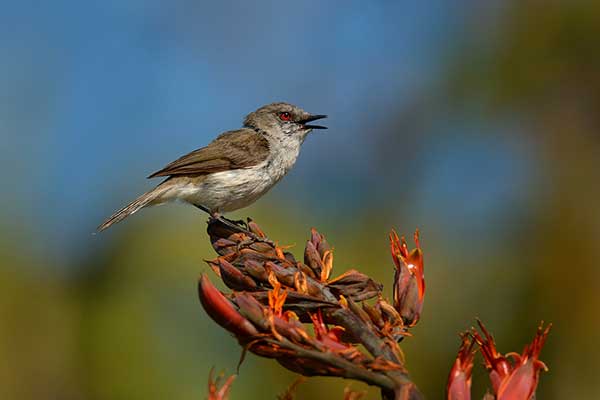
{"points": [[477, 122]]}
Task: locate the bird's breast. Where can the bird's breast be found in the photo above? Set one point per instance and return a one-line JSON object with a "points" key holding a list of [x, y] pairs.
{"points": [[283, 156]]}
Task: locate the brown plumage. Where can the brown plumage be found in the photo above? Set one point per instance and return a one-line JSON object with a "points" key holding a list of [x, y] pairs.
{"points": [[231, 150]]}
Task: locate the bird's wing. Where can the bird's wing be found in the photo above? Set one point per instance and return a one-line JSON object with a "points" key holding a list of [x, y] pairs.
{"points": [[231, 150]]}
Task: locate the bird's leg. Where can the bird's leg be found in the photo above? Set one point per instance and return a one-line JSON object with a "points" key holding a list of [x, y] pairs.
{"points": [[239, 222], [231, 224], [215, 215], [239, 227], [203, 208]]}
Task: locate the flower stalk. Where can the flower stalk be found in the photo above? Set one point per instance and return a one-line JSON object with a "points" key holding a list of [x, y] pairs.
{"points": [[274, 297]]}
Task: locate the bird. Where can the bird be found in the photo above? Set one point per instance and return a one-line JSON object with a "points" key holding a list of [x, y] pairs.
{"points": [[235, 169]]}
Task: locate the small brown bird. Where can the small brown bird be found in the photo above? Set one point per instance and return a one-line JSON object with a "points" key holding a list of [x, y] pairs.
{"points": [[236, 168]]}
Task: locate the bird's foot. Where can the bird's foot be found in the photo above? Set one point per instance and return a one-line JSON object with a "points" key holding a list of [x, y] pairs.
{"points": [[242, 227], [238, 226], [238, 222]]}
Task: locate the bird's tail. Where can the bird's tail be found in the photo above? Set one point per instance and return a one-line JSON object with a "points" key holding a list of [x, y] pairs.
{"points": [[139, 203]]}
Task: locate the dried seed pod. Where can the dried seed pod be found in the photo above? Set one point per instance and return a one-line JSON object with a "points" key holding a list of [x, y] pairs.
{"points": [[225, 250], [315, 288], [319, 242], [262, 247], [315, 237], [284, 276], [214, 265], [254, 228], [256, 270], [223, 243], [289, 257], [355, 285], [374, 315], [323, 247], [250, 254], [251, 308], [291, 329], [306, 269], [312, 258], [234, 278], [389, 312]]}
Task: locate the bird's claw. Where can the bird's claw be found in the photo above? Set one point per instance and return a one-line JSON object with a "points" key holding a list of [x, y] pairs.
{"points": [[239, 222]]}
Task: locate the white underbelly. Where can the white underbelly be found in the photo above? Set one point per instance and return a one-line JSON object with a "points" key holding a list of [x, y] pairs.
{"points": [[229, 190]]}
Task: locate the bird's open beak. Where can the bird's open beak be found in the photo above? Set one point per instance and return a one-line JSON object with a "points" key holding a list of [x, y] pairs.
{"points": [[313, 118]]}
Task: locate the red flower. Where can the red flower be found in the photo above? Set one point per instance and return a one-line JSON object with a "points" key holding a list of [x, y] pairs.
{"points": [[459, 380], [517, 380], [329, 337], [222, 311], [409, 280]]}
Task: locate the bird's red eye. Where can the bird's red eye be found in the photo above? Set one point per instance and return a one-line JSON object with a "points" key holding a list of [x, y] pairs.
{"points": [[285, 116]]}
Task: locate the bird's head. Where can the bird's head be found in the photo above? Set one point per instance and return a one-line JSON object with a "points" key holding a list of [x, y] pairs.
{"points": [[283, 120]]}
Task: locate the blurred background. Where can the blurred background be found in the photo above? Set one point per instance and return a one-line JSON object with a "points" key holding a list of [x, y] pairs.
{"points": [[477, 122]]}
